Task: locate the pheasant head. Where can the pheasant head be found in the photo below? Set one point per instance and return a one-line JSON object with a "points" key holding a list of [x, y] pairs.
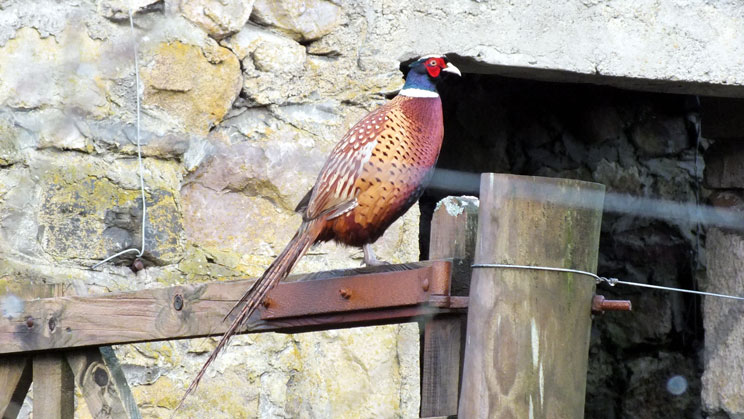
{"points": [[424, 75]]}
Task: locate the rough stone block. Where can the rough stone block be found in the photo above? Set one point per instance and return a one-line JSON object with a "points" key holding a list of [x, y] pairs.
{"points": [[195, 85], [661, 386], [724, 165], [218, 18], [83, 215], [599, 124], [41, 74], [362, 372], [119, 9], [729, 199], [304, 20], [660, 136], [12, 140]]}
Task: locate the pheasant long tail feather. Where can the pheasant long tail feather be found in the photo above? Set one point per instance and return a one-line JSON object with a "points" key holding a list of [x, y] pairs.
{"points": [[279, 269]]}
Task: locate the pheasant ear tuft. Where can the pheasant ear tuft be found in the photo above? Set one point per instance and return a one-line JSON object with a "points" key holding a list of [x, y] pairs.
{"points": [[415, 63]]}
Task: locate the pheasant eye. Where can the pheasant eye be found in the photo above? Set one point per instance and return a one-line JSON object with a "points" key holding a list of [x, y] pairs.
{"points": [[433, 63]]}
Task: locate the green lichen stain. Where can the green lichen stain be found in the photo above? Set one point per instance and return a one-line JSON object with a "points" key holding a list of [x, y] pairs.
{"points": [[568, 235], [71, 216], [204, 265], [164, 226], [79, 206], [182, 81], [162, 393], [221, 395]]}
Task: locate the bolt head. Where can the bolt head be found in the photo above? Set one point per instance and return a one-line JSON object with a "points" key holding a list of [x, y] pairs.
{"points": [[137, 265], [178, 302], [100, 376]]}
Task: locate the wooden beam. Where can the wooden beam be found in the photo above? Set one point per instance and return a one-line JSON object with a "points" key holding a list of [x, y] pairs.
{"points": [[195, 310], [453, 230], [528, 331], [54, 389], [98, 384], [15, 380]]}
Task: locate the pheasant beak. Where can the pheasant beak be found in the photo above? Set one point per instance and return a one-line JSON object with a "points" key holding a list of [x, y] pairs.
{"points": [[452, 69]]}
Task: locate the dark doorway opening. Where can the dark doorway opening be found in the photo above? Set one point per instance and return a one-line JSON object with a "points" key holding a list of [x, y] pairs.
{"points": [[638, 143]]}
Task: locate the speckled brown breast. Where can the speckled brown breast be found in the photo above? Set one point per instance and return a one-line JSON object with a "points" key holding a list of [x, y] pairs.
{"points": [[404, 140]]}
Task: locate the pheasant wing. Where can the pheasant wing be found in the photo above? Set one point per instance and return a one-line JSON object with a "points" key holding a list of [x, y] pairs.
{"points": [[334, 192]]}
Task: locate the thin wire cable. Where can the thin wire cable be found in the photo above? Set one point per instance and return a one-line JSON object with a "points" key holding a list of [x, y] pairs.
{"points": [[610, 281], [141, 250]]}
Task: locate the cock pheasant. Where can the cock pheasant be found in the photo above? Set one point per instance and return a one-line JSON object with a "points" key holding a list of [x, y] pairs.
{"points": [[373, 176]]}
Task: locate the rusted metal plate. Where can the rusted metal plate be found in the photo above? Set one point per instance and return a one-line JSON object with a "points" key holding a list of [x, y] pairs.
{"points": [[359, 292]]}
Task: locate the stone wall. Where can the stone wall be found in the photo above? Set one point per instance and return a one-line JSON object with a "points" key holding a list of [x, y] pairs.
{"points": [[237, 118]]}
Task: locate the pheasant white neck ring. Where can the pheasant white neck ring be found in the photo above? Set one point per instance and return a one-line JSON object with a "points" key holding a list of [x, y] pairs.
{"points": [[414, 92]]}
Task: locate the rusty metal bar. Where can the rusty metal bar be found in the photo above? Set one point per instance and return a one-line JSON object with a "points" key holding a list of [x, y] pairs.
{"points": [[449, 301], [600, 304]]}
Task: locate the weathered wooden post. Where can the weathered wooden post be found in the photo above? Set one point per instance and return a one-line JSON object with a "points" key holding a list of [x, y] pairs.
{"points": [[453, 231], [528, 330], [15, 380], [54, 389]]}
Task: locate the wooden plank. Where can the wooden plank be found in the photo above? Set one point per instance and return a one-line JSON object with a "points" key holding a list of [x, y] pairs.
{"points": [[453, 231], [95, 381], [54, 389], [528, 331], [441, 364], [15, 380], [196, 310]]}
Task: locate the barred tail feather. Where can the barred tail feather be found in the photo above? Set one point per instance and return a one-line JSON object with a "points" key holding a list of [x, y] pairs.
{"points": [[277, 271]]}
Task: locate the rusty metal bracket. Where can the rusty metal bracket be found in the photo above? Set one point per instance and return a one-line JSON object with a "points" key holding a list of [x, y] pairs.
{"points": [[427, 285]]}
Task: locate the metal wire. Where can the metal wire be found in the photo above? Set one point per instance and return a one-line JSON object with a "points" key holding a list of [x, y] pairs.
{"points": [[610, 281], [141, 250]]}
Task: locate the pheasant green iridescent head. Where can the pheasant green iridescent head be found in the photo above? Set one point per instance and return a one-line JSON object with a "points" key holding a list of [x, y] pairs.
{"points": [[425, 73]]}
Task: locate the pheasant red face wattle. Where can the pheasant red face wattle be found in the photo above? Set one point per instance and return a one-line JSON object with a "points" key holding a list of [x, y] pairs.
{"points": [[434, 66]]}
